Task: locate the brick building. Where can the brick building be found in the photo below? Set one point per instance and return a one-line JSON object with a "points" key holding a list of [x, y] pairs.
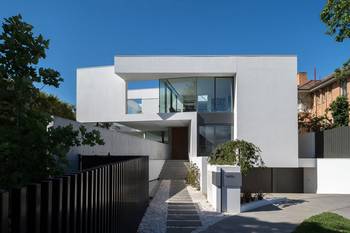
{"points": [[315, 96]]}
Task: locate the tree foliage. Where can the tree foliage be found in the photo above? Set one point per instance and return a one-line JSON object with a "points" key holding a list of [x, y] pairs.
{"points": [[29, 150], [340, 111], [54, 106], [313, 123], [336, 15], [238, 152], [343, 72]]}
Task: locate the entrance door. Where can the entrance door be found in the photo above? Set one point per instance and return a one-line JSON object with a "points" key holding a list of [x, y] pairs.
{"points": [[179, 143]]}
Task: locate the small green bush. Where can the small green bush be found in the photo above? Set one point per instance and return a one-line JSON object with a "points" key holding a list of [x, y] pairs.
{"points": [[192, 177], [238, 152]]}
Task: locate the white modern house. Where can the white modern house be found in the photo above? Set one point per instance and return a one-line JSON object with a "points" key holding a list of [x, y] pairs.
{"points": [[198, 102]]}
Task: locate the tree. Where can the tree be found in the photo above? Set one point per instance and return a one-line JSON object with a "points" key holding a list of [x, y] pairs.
{"points": [[313, 123], [340, 111], [54, 106], [343, 72], [237, 152], [29, 150], [336, 15]]}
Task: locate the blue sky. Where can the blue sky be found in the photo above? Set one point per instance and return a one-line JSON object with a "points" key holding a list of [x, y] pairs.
{"points": [[90, 33]]}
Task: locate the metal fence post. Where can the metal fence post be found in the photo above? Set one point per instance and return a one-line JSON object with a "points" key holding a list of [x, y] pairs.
{"points": [[34, 207], [19, 210], [73, 203], [66, 203], [57, 189], [4, 212]]}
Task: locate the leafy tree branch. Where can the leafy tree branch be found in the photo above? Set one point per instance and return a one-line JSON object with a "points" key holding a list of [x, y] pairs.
{"points": [[29, 150]]}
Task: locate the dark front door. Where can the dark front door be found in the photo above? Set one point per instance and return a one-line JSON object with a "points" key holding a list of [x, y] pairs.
{"points": [[179, 143]]}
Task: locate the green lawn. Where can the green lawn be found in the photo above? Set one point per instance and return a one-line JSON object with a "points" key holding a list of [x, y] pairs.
{"points": [[324, 223]]}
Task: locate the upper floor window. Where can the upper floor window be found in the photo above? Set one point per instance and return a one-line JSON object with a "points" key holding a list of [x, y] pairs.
{"points": [[177, 95], [202, 94]]}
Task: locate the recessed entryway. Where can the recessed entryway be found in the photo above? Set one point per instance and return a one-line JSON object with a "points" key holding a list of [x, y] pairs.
{"points": [[179, 143]]}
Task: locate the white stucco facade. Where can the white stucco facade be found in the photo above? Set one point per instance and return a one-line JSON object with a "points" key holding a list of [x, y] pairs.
{"points": [[265, 98]]}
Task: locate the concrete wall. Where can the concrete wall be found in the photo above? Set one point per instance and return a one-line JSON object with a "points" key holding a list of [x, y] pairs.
{"points": [[310, 180], [307, 145], [119, 144], [266, 107], [101, 95], [331, 176]]}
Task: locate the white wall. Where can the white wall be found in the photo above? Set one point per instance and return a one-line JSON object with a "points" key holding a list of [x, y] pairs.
{"points": [[329, 176], [101, 95], [266, 107], [333, 176]]}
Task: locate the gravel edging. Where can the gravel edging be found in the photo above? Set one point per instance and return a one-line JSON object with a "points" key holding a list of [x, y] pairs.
{"points": [[155, 218]]}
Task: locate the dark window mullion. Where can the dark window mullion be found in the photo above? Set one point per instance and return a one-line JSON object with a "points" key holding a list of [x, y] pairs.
{"points": [[215, 94]]}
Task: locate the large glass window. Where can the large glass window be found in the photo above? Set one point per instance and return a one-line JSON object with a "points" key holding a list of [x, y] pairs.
{"points": [[223, 94], [211, 136], [205, 94], [177, 95], [202, 94]]}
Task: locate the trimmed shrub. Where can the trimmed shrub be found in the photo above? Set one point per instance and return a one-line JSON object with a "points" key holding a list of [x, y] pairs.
{"points": [[238, 153]]}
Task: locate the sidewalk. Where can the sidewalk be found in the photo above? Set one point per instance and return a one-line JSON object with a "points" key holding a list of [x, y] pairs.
{"points": [[283, 217]]}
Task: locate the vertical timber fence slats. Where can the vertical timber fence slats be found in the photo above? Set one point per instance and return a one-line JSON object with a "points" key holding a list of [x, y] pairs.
{"points": [[110, 197]]}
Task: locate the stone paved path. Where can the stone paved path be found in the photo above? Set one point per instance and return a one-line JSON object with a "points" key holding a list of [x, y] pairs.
{"points": [[182, 212]]}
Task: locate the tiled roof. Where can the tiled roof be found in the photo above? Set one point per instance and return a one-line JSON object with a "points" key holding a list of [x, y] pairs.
{"points": [[309, 84]]}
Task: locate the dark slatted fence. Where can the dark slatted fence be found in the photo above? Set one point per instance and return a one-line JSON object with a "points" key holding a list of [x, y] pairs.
{"points": [[333, 143], [111, 197]]}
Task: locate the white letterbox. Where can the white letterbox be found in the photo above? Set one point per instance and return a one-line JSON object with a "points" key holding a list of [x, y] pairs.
{"points": [[224, 188]]}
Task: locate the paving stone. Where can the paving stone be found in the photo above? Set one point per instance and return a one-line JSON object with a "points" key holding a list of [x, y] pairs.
{"points": [[180, 229], [182, 208], [183, 217], [184, 223], [182, 212], [179, 203]]}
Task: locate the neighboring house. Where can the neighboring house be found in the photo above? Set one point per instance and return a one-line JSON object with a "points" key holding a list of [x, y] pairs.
{"points": [[200, 102], [315, 96]]}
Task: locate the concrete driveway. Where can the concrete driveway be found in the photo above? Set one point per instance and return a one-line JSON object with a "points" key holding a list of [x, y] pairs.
{"points": [[283, 217]]}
